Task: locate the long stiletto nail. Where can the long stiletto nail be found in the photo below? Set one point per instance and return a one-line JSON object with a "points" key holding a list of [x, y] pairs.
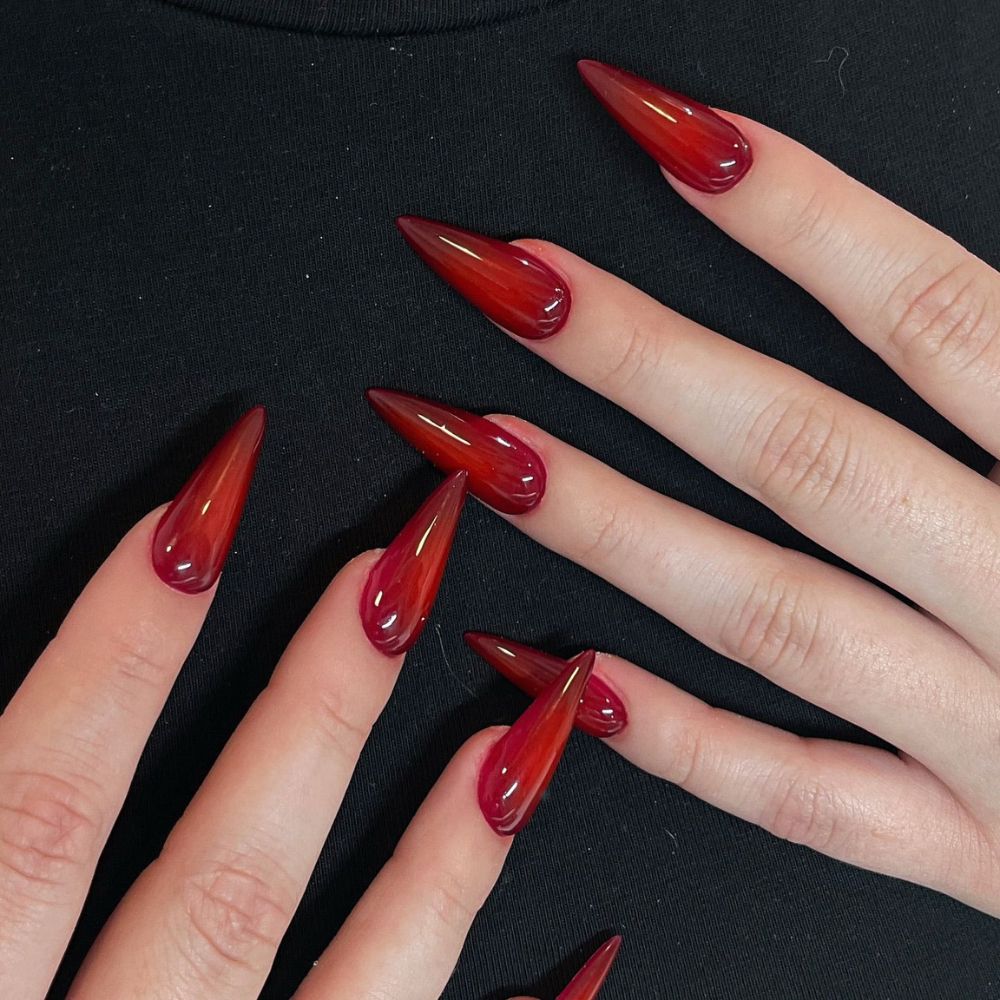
{"points": [[588, 981], [512, 287], [520, 765], [686, 138], [601, 713], [195, 534], [503, 471], [403, 584]]}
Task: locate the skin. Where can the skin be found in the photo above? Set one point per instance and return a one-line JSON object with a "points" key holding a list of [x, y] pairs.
{"points": [[206, 918], [926, 678]]}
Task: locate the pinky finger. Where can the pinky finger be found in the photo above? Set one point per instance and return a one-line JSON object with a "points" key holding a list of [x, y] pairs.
{"points": [[404, 937], [858, 804]]}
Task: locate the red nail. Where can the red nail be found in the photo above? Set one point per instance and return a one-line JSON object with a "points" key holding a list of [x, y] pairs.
{"points": [[513, 288], [688, 139], [403, 584], [503, 471], [520, 765], [601, 713], [194, 536], [588, 981]]}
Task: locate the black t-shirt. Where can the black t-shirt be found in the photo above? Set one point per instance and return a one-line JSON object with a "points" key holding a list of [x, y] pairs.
{"points": [[196, 208]]}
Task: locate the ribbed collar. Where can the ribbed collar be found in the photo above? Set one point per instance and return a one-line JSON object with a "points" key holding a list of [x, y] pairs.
{"points": [[368, 17]]}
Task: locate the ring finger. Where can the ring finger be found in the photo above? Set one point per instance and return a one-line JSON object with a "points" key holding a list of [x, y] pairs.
{"points": [[817, 631]]}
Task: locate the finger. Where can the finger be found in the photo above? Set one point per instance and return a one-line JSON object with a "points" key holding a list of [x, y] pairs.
{"points": [[858, 804], [858, 483], [925, 304], [71, 736], [206, 917], [587, 983], [404, 937], [821, 633]]}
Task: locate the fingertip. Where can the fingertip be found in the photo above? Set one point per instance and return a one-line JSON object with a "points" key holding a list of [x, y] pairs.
{"points": [[471, 754], [529, 433]]}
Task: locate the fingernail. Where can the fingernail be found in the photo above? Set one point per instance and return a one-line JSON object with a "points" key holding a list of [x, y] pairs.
{"points": [[194, 536], [503, 471], [512, 287], [588, 981], [520, 765], [402, 586], [601, 713], [686, 138]]}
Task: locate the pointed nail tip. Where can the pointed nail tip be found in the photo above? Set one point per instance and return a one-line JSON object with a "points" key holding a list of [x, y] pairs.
{"points": [[594, 72], [583, 667], [411, 225], [379, 399], [255, 421]]}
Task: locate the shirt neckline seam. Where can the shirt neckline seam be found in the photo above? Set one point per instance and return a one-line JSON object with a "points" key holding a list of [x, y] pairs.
{"points": [[196, 10]]}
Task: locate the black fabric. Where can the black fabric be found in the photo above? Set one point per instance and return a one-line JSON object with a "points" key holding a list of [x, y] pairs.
{"points": [[196, 215]]}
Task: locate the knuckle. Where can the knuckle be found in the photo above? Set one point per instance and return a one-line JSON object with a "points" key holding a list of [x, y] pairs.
{"points": [[235, 911], [808, 222], [335, 719], [449, 903], [799, 452], [639, 353], [51, 830], [773, 627], [610, 532], [136, 656], [946, 315], [684, 755], [133, 653], [804, 811]]}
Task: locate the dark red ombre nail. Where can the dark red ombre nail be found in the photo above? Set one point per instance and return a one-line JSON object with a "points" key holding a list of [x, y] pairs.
{"points": [[686, 138], [513, 288], [196, 532], [601, 713], [520, 765], [503, 471], [588, 981], [403, 584]]}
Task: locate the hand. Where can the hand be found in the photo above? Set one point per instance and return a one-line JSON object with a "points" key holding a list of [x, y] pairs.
{"points": [[924, 678], [206, 918]]}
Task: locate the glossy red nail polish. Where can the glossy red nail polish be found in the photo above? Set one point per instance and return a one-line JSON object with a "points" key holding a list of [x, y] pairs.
{"points": [[513, 288], [588, 981], [601, 713], [402, 586], [503, 471], [196, 532], [520, 765], [688, 139]]}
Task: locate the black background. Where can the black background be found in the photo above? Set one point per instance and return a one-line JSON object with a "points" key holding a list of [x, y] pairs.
{"points": [[196, 215]]}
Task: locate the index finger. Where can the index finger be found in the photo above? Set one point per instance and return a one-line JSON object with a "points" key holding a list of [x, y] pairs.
{"points": [[922, 302], [72, 734]]}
